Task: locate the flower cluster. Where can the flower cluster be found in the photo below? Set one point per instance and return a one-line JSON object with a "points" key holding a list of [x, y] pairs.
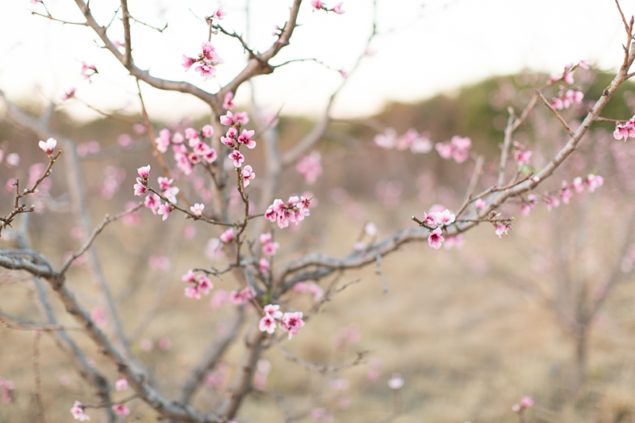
{"points": [[141, 185], [310, 167], [197, 285], [626, 130], [187, 155], [206, 61], [152, 200], [268, 245], [236, 137], [48, 146], [319, 5], [293, 211], [458, 149], [410, 140], [566, 99], [78, 412], [290, 322], [436, 219], [578, 186]]}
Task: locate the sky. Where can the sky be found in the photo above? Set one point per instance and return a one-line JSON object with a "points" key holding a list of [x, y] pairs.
{"points": [[424, 48]]}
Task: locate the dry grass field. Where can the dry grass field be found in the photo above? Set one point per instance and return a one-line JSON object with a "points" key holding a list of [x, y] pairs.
{"points": [[466, 340]]}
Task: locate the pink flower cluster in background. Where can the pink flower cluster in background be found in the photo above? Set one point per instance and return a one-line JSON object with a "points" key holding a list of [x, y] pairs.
{"points": [[197, 285]]}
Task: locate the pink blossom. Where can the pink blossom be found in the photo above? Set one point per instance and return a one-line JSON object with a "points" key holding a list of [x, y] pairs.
{"points": [[228, 101], [501, 229], [164, 210], [206, 61], [163, 140], [152, 202], [317, 4], [292, 322], [310, 167], [525, 403], [438, 216], [419, 144], [565, 193], [270, 249], [624, 131], [69, 93], [88, 71], [578, 185], [197, 209], [457, 148], [6, 388], [207, 131], [267, 324], [121, 410], [338, 9], [435, 239], [243, 296], [294, 211], [480, 204], [144, 172], [227, 236], [48, 146], [237, 158], [187, 62], [121, 384], [273, 310], [552, 202], [139, 188], [198, 285], [219, 13], [231, 119], [191, 134], [246, 138], [594, 182], [522, 156], [566, 99], [78, 412]]}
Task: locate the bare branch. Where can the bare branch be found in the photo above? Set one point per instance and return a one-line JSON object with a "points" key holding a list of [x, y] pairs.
{"points": [[89, 242], [160, 83], [126, 30], [557, 114], [212, 356]]}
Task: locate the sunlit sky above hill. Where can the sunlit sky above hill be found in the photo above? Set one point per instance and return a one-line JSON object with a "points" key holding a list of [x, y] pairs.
{"points": [[429, 47]]}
